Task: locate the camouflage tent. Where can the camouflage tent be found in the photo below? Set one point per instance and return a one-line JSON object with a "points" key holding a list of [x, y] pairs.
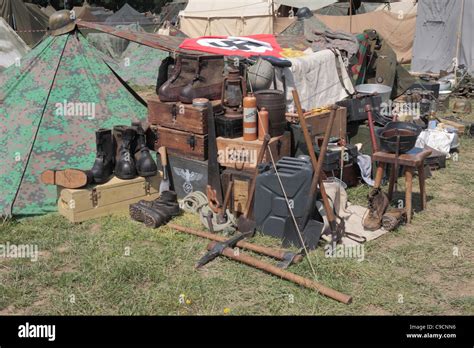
{"points": [[27, 19], [128, 15], [50, 107], [139, 65]]}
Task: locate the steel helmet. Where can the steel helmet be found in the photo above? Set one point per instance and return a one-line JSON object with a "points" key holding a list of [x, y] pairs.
{"points": [[61, 22], [304, 13]]}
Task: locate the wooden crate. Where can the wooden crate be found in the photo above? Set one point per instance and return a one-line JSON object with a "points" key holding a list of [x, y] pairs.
{"points": [[239, 154], [317, 121], [180, 143], [240, 190], [184, 117], [114, 196], [460, 127]]}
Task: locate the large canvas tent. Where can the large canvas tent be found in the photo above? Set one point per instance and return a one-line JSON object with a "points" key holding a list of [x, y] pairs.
{"points": [[231, 17], [12, 47], [397, 29], [29, 21], [443, 34], [50, 108]]}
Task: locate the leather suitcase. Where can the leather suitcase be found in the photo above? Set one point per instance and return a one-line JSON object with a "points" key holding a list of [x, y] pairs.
{"points": [[184, 117], [185, 144], [110, 198]]}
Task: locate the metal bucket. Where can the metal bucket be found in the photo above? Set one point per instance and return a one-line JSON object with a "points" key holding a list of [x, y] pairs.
{"points": [[274, 101], [370, 88]]}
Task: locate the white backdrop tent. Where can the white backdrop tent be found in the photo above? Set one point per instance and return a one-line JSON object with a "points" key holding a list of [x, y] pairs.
{"points": [[229, 17], [443, 34], [12, 47]]}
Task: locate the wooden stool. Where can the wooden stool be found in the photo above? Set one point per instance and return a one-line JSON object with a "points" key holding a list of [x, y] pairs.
{"points": [[414, 159]]}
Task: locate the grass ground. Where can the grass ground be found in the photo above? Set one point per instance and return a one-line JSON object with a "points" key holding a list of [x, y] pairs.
{"points": [[115, 266]]}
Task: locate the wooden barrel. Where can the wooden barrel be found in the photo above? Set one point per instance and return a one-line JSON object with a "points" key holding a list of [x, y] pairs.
{"points": [[274, 101]]}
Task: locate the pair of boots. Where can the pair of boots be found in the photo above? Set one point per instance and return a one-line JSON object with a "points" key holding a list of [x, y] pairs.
{"points": [[132, 156], [192, 77], [379, 216], [158, 212], [122, 152]]}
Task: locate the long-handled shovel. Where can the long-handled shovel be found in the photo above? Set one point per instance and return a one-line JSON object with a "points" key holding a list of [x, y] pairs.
{"points": [[245, 225]]}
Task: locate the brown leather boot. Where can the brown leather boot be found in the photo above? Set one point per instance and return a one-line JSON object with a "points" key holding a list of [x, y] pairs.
{"points": [[394, 218], [206, 82], [378, 203], [183, 73]]}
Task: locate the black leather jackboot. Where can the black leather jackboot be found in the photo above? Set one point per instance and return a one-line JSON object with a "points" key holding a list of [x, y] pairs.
{"points": [[145, 164], [125, 167], [103, 166]]}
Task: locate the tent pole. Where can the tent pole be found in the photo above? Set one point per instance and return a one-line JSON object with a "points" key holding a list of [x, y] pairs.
{"points": [[273, 16], [458, 44], [350, 16]]}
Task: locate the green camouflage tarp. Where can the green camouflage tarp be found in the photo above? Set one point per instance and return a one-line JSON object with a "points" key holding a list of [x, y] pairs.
{"points": [[136, 64], [50, 107], [139, 65]]}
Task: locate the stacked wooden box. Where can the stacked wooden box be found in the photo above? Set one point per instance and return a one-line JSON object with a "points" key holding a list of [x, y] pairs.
{"points": [[181, 128]]}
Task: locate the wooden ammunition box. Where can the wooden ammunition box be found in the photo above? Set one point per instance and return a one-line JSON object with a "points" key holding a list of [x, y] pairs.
{"points": [[183, 117], [114, 196]]}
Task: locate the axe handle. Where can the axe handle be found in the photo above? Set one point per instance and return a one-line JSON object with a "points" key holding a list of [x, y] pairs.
{"points": [[275, 253], [305, 282], [309, 144]]}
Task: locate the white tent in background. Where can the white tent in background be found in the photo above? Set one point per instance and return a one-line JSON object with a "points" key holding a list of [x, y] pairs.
{"points": [[12, 47], [229, 17], [443, 35]]}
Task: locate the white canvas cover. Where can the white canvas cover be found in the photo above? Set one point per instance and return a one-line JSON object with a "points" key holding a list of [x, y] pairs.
{"points": [[315, 77], [12, 46], [231, 17], [437, 27]]}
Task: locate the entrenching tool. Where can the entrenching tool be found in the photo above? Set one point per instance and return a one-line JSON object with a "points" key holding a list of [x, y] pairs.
{"points": [[245, 225], [165, 180], [286, 257], [218, 248], [307, 283], [336, 234]]}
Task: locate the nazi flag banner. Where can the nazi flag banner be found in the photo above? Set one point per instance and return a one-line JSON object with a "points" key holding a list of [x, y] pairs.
{"points": [[246, 46]]}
